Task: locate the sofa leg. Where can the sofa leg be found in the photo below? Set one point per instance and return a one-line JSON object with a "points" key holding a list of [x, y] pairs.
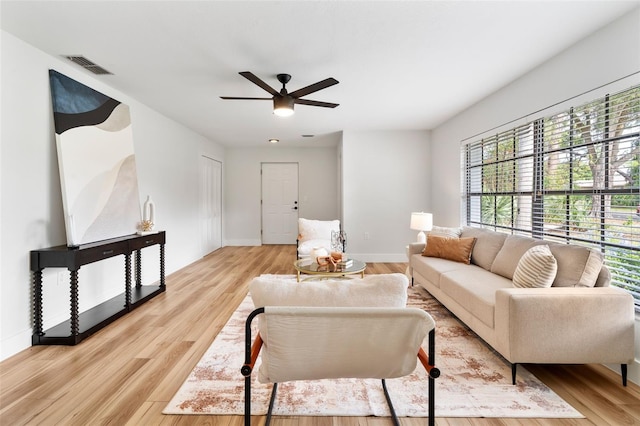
{"points": [[514, 366], [623, 370]]}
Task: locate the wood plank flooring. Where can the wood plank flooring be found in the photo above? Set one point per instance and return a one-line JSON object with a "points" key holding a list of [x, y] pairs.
{"points": [[126, 373]]}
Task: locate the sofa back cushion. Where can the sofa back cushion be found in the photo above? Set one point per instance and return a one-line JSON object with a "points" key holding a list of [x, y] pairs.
{"points": [[578, 266], [604, 277], [514, 247], [487, 245]]}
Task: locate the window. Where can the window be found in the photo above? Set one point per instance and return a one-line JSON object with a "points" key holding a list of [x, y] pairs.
{"points": [[573, 177]]}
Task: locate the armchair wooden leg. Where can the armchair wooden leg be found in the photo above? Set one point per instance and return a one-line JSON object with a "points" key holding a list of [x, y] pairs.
{"points": [[623, 371], [514, 366]]}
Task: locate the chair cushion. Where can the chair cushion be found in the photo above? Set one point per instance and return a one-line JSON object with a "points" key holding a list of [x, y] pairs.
{"points": [[311, 229], [310, 343], [305, 247], [380, 290]]}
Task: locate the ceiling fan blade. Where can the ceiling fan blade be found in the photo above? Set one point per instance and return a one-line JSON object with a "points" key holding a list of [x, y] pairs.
{"points": [[315, 103], [314, 87], [255, 80], [251, 99]]}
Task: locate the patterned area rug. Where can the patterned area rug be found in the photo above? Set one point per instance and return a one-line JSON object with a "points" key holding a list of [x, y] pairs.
{"points": [[475, 381]]}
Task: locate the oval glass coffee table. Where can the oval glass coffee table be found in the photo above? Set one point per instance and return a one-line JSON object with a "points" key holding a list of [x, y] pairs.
{"points": [[309, 267]]}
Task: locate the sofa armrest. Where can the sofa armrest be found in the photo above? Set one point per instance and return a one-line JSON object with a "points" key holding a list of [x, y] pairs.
{"points": [[416, 248], [413, 248], [565, 325]]}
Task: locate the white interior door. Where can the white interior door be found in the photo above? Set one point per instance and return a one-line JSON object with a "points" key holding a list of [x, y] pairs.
{"points": [[279, 203], [210, 204]]}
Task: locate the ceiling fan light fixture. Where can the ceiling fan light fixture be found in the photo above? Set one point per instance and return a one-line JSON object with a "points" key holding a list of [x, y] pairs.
{"points": [[283, 106]]}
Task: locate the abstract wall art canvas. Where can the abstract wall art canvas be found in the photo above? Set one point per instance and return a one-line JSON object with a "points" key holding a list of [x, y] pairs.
{"points": [[96, 161]]}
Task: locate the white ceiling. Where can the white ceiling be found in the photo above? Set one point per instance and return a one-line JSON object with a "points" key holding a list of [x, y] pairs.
{"points": [[401, 64]]}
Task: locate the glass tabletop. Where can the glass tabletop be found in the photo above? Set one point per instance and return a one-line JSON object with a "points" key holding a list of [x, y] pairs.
{"points": [[308, 266]]}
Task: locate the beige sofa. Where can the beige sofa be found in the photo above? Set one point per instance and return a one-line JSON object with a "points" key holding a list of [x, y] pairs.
{"points": [[578, 320]]}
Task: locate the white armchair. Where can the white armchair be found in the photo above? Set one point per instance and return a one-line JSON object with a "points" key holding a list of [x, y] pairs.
{"points": [[312, 343], [315, 234], [330, 328]]}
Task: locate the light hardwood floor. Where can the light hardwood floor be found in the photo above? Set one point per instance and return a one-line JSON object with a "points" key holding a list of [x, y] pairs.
{"points": [[127, 372]]}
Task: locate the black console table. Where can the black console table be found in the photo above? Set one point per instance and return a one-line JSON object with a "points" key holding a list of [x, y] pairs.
{"points": [[81, 326]]}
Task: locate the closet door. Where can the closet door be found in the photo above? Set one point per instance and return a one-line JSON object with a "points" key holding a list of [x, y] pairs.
{"points": [[210, 204]]}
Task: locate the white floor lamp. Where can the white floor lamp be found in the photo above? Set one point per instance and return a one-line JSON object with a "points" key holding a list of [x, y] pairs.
{"points": [[421, 221]]}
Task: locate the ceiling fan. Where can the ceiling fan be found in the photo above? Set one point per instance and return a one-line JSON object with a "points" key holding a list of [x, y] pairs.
{"points": [[283, 101]]}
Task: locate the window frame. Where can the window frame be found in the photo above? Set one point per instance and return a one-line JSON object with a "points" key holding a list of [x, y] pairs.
{"points": [[513, 177]]}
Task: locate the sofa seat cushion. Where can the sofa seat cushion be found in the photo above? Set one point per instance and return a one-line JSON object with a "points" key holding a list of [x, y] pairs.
{"points": [[475, 289], [432, 267], [487, 245]]}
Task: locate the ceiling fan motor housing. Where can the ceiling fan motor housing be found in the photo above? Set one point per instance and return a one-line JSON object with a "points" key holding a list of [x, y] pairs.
{"points": [[283, 78]]}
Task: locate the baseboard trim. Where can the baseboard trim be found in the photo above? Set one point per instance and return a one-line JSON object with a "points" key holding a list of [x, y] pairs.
{"points": [[14, 344], [378, 257]]}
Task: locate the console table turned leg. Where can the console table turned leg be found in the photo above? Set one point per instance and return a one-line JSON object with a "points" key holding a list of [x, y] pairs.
{"points": [[162, 285], [127, 280], [37, 302], [138, 269], [75, 315]]}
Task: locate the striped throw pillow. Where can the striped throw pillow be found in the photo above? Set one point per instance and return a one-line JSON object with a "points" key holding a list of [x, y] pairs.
{"points": [[442, 231], [536, 268]]}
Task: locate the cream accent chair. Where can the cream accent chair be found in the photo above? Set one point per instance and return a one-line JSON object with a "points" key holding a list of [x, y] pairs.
{"points": [[329, 329], [312, 343], [315, 233]]}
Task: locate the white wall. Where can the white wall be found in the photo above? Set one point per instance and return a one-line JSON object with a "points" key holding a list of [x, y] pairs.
{"points": [[386, 176], [31, 202], [318, 183], [605, 56]]}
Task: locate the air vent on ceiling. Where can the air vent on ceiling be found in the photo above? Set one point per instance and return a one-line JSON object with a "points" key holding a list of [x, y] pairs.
{"points": [[88, 65]]}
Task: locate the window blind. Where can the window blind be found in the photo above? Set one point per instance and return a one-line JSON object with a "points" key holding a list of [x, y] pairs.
{"points": [[572, 177]]}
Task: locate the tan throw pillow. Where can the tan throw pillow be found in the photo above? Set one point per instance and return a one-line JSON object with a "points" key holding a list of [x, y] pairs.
{"points": [[456, 249], [537, 268]]}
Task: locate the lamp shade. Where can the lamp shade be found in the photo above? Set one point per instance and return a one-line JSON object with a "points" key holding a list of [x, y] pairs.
{"points": [[421, 221]]}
